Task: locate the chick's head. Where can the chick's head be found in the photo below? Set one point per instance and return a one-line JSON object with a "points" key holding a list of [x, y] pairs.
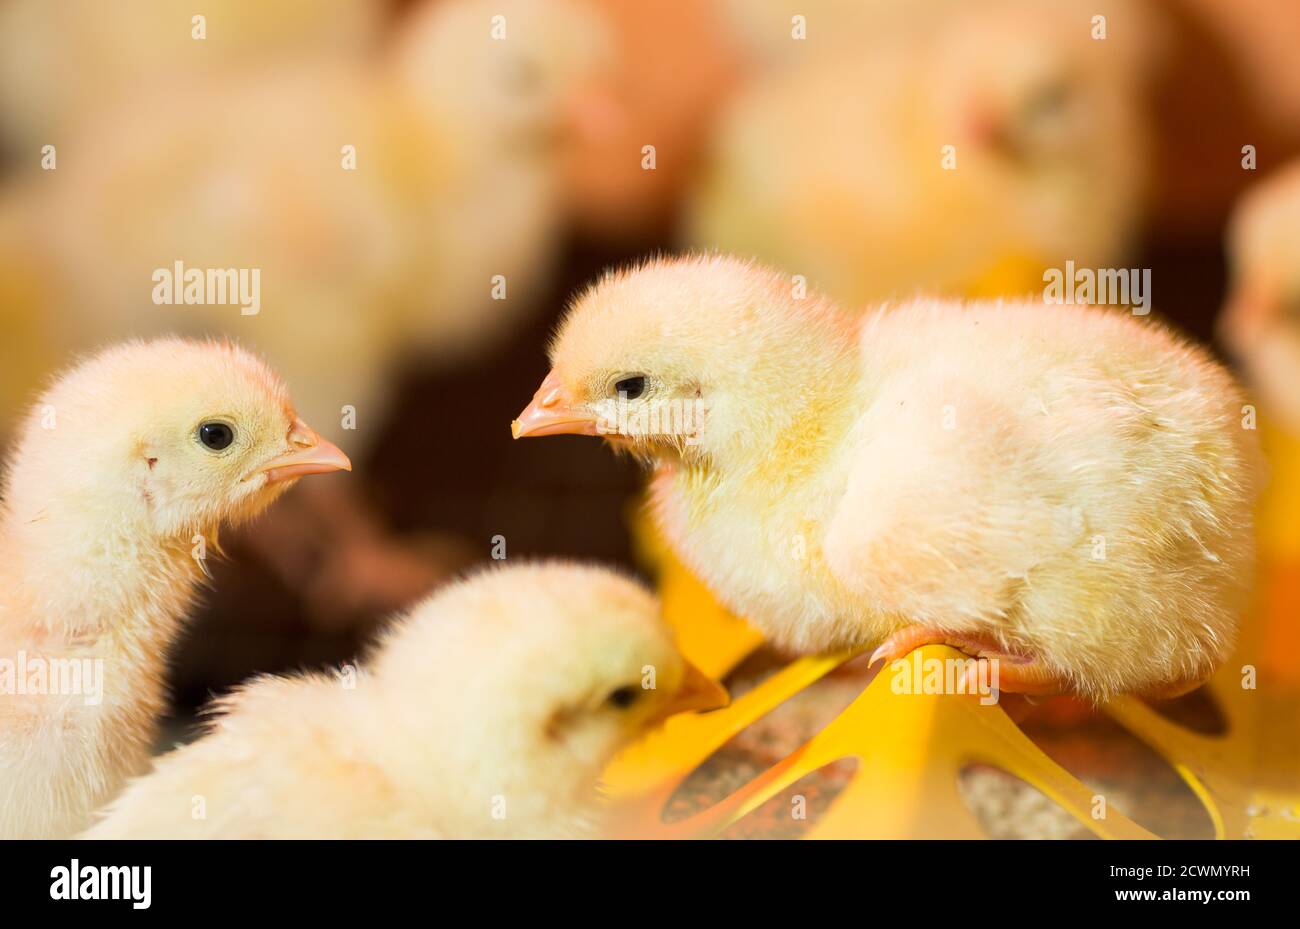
{"points": [[515, 74], [170, 436], [528, 679], [699, 357]]}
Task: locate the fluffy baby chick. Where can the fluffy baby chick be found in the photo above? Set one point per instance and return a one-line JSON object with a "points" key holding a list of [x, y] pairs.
{"points": [[1066, 489], [123, 472], [867, 173], [1261, 323], [376, 205], [488, 711]]}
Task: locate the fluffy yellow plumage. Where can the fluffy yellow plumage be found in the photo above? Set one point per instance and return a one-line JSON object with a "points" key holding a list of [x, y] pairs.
{"points": [[488, 711], [122, 474], [1066, 487]]}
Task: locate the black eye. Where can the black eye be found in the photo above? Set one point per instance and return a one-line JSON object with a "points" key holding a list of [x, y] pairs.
{"points": [[216, 436], [631, 387], [623, 697]]}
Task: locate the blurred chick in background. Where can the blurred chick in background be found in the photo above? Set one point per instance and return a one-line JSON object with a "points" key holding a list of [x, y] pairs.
{"points": [[1261, 323], [456, 138], [488, 711], [833, 166], [123, 473], [519, 84], [1065, 489], [64, 62]]}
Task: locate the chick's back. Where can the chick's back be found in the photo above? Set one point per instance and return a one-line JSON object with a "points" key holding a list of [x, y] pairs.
{"points": [[1076, 481]]}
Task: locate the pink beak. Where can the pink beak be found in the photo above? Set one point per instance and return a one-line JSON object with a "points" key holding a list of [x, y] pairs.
{"points": [[553, 412], [311, 455]]}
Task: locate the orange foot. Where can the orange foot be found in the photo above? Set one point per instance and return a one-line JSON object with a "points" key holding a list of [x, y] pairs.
{"points": [[1017, 674]]}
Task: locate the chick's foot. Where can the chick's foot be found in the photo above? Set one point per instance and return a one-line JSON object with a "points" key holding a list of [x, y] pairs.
{"points": [[1009, 673]]}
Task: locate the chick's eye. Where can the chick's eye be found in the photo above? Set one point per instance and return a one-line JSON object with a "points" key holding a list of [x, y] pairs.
{"points": [[630, 387], [623, 697], [216, 436]]}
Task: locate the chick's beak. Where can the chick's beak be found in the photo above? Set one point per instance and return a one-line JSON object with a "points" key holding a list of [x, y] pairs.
{"points": [[553, 412], [697, 692], [311, 455]]}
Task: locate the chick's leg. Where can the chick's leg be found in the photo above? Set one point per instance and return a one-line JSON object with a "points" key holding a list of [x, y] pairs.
{"points": [[1020, 674]]}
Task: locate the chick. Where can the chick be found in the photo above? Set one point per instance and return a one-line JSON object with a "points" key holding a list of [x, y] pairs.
{"points": [[488, 711], [867, 173], [1066, 489], [375, 205], [1261, 324], [122, 475]]}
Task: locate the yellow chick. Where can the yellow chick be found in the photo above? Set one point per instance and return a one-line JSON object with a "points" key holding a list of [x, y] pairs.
{"points": [[122, 474], [343, 220], [488, 711], [1261, 323], [1063, 488], [960, 159], [61, 63]]}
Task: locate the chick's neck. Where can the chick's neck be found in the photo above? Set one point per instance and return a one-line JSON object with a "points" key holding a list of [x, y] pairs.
{"points": [[93, 581], [796, 398]]}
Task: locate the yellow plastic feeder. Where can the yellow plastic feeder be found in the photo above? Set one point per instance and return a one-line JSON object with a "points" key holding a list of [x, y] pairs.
{"points": [[910, 748]]}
